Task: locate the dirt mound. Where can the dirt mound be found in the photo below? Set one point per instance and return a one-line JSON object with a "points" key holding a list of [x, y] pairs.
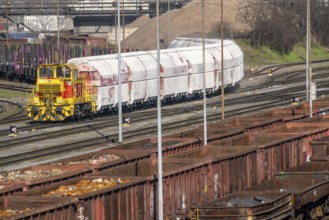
{"points": [[183, 22]]}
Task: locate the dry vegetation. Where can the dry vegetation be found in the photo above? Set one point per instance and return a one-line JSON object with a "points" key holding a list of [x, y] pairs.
{"points": [[184, 22]]}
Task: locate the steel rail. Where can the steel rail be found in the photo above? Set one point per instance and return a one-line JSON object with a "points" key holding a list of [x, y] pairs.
{"points": [[151, 130]]}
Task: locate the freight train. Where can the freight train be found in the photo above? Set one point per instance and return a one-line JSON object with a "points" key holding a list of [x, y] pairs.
{"points": [[91, 85]]}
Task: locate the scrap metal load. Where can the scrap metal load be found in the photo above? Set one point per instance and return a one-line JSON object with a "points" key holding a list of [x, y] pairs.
{"points": [[181, 76]]}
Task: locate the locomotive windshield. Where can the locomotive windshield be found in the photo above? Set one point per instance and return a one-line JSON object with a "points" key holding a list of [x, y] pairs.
{"points": [[46, 72]]}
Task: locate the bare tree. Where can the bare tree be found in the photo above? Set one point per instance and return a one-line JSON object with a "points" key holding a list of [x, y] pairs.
{"points": [[320, 22], [46, 24], [215, 32], [269, 25], [255, 13]]}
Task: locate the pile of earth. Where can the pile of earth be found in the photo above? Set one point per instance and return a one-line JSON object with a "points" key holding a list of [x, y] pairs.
{"points": [[185, 22]]}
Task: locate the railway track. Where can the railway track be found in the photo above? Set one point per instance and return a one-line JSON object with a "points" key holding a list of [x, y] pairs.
{"points": [[128, 135], [149, 114], [16, 88], [12, 110], [269, 98], [254, 102], [105, 121], [290, 77], [275, 68]]}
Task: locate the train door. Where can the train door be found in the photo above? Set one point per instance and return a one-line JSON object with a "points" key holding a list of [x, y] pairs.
{"points": [[216, 68], [190, 79]]}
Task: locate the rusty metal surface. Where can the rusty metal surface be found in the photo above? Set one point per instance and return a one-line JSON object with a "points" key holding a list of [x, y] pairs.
{"points": [[256, 123], [286, 185], [37, 181], [320, 149], [253, 139], [132, 152], [11, 188], [310, 170], [230, 167], [297, 128], [211, 151], [195, 174], [318, 106], [275, 152], [218, 131], [320, 152], [248, 159], [303, 192], [239, 125], [120, 157], [289, 115], [246, 205], [129, 200], [320, 119], [311, 131], [232, 127], [35, 208], [311, 167], [185, 182], [310, 195], [169, 145], [149, 168]]}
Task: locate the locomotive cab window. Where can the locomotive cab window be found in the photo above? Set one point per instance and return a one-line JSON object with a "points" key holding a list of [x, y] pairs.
{"points": [[63, 72], [46, 72]]}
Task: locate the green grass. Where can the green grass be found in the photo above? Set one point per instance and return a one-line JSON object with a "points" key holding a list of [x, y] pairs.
{"points": [[266, 56], [4, 93]]}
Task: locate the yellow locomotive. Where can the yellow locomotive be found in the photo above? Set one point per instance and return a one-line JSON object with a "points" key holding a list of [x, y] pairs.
{"points": [[60, 94]]}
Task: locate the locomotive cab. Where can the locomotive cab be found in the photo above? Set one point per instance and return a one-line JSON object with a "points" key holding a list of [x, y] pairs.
{"points": [[60, 94]]}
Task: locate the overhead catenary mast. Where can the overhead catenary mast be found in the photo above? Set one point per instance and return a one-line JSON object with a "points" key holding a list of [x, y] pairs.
{"points": [[222, 60], [204, 77], [308, 59], [160, 199], [119, 75]]}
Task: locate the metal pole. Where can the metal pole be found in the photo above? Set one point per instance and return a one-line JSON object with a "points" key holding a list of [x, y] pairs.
{"points": [[119, 75], [222, 61], [204, 78], [169, 25], [309, 54], [58, 31], [7, 37], [160, 202], [123, 26], [115, 24], [307, 49]]}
